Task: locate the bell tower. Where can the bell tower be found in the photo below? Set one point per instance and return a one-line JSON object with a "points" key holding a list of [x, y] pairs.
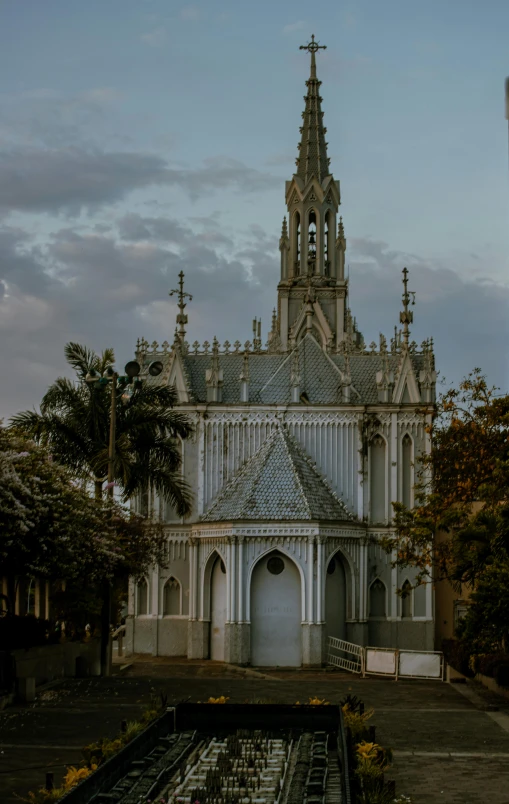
{"points": [[312, 242]]}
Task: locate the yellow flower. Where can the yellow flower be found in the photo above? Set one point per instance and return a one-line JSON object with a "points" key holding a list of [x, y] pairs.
{"points": [[221, 700]]}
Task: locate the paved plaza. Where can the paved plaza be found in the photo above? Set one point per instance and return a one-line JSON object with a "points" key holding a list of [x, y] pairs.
{"points": [[450, 742]]}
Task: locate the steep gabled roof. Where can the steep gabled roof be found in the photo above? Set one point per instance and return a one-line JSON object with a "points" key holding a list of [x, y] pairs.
{"points": [[280, 482]]}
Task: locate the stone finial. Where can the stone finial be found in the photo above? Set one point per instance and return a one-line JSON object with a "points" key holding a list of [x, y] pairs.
{"points": [[346, 381], [214, 376], [341, 229], [295, 376], [385, 380], [406, 317], [236, 347], [383, 344], [196, 346], [244, 379], [284, 230], [181, 317]]}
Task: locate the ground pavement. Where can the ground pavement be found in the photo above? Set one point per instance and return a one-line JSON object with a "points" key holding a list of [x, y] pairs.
{"points": [[450, 741]]}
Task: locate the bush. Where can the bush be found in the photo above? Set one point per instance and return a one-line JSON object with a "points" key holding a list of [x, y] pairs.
{"points": [[485, 663], [458, 656], [23, 632], [501, 673]]}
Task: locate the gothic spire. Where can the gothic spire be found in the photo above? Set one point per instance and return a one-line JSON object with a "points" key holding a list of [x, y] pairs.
{"points": [[181, 317], [406, 316], [312, 159]]}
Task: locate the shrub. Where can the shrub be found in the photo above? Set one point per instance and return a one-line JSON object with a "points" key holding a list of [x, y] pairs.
{"points": [[23, 632], [501, 673], [485, 663], [458, 656]]}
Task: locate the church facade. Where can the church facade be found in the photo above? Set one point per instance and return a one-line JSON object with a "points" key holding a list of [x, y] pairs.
{"points": [[299, 447]]}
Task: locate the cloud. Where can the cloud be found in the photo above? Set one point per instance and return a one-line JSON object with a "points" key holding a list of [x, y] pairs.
{"points": [[467, 317], [156, 38], [74, 179], [190, 13], [110, 286], [300, 25]]}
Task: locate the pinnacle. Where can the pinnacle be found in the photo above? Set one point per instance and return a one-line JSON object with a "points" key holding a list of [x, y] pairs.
{"points": [[312, 160]]}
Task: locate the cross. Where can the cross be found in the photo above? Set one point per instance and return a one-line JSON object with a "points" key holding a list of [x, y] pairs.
{"points": [[313, 46], [181, 318]]}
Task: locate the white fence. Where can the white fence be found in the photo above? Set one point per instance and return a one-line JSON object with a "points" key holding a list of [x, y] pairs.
{"points": [[388, 662], [345, 655]]}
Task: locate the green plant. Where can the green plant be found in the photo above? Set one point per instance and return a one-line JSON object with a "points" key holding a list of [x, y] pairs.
{"points": [[501, 673]]}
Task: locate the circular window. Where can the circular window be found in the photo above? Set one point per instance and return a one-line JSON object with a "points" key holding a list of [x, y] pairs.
{"points": [[275, 565], [223, 568], [332, 566]]}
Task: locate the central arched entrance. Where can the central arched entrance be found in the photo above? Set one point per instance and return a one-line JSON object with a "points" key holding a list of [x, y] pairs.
{"points": [[217, 610], [276, 631], [335, 599]]}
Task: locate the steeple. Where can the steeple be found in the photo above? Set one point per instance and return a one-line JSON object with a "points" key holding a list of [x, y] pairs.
{"points": [[312, 254], [181, 317], [312, 159]]}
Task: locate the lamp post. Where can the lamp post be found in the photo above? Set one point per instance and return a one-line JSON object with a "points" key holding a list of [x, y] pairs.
{"points": [[117, 382]]}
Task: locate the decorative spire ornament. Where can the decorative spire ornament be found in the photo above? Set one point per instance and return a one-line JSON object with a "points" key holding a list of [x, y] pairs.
{"points": [[181, 317], [313, 159], [406, 317]]}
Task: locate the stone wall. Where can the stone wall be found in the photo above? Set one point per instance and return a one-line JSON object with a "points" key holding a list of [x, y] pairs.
{"points": [[49, 662]]}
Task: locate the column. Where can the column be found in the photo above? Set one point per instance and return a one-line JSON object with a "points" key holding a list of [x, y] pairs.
{"points": [[363, 561], [201, 466], [309, 580], [394, 586], [233, 579], [228, 580], [319, 578], [240, 581]]}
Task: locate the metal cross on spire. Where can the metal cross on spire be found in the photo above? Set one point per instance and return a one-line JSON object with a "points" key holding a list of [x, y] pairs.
{"points": [[312, 48], [181, 317], [406, 316]]}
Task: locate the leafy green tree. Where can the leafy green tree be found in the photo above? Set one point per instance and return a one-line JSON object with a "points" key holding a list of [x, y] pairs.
{"points": [[74, 423], [459, 529], [50, 527]]}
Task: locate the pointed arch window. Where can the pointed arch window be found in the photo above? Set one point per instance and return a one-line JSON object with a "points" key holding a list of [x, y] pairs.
{"points": [[406, 471], [312, 238], [172, 597], [296, 242], [326, 238], [142, 597], [406, 600], [377, 599], [377, 472]]}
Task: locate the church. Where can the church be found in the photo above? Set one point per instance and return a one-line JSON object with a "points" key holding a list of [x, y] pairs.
{"points": [[300, 445]]}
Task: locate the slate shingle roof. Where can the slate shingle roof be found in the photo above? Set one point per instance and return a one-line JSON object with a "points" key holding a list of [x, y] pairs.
{"points": [[280, 482], [269, 381]]}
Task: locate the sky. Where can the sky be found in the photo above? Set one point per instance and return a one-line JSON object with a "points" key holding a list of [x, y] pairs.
{"points": [[139, 138]]}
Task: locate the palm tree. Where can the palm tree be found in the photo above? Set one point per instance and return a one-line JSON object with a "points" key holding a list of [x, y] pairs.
{"points": [[74, 422]]}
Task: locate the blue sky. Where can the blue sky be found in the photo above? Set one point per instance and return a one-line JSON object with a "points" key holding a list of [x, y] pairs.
{"points": [[139, 137]]}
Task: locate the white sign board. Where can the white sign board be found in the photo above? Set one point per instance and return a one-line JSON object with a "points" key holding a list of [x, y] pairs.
{"points": [[381, 661], [419, 664]]}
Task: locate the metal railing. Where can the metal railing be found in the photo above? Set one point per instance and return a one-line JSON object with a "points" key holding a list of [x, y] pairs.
{"points": [[119, 635]]}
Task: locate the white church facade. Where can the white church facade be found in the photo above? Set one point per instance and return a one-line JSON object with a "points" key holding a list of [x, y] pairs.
{"points": [[299, 447]]}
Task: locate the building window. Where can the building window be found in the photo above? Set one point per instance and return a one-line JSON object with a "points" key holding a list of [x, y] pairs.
{"points": [[143, 597], [171, 597], [377, 479], [406, 600], [312, 238], [296, 243], [406, 469], [275, 565], [377, 599]]}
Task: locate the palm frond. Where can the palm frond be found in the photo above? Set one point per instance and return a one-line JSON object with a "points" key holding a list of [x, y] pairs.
{"points": [[81, 358], [106, 360]]}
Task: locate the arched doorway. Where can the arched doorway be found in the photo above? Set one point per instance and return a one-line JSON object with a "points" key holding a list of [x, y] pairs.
{"points": [[335, 599], [217, 610], [276, 624]]}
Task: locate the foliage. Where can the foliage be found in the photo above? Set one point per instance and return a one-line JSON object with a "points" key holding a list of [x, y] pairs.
{"points": [[314, 701], [103, 749], [459, 529], [24, 632], [355, 720], [73, 777], [50, 528], [74, 423]]}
